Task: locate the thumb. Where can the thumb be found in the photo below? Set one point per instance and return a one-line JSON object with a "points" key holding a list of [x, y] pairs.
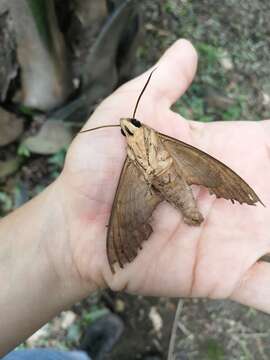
{"points": [[175, 72], [177, 68]]}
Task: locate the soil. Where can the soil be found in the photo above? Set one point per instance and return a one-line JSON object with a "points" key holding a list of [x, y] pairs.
{"points": [[221, 330], [232, 39], [148, 324]]}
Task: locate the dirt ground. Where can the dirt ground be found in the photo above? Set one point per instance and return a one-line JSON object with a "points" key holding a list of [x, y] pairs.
{"points": [[221, 330], [232, 39]]}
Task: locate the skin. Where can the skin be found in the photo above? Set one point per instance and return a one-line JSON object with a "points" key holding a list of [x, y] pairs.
{"points": [[53, 249]]}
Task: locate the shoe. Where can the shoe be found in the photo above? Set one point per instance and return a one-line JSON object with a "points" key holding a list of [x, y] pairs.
{"points": [[102, 335]]}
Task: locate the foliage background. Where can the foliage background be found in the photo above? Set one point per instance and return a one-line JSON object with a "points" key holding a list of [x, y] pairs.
{"points": [[232, 39]]}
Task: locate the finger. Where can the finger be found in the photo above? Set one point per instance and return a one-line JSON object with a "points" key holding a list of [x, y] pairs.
{"points": [[254, 289], [174, 73], [176, 70]]}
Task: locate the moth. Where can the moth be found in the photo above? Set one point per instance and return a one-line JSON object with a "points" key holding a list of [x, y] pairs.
{"points": [[160, 168]]}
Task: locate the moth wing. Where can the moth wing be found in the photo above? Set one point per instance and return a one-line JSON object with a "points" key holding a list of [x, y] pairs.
{"points": [[201, 168], [133, 206]]}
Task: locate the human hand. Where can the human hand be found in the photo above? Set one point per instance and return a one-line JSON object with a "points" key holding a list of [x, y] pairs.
{"points": [[217, 259]]}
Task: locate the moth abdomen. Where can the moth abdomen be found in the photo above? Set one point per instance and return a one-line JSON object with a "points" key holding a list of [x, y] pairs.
{"points": [[178, 193]]}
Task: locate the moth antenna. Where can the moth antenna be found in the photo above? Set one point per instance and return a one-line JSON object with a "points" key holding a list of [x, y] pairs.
{"points": [[99, 127], [143, 90], [136, 106]]}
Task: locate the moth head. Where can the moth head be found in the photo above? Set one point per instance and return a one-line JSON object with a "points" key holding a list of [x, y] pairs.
{"points": [[130, 127]]}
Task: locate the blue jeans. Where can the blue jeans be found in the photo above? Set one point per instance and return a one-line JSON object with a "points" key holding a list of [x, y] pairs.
{"points": [[46, 354]]}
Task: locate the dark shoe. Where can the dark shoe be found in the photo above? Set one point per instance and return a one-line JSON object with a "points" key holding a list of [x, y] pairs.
{"points": [[101, 336]]}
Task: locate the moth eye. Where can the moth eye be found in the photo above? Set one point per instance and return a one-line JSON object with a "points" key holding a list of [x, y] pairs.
{"points": [[128, 131], [122, 132], [136, 123]]}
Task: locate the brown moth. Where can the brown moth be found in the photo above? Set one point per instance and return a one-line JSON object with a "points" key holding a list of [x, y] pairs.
{"points": [[160, 168]]}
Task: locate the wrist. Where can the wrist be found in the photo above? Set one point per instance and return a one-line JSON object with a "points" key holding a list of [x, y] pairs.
{"points": [[37, 273], [31, 290], [62, 242], [57, 243]]}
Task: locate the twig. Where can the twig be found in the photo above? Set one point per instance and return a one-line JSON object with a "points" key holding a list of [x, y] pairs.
{"points": [[174, 328]]}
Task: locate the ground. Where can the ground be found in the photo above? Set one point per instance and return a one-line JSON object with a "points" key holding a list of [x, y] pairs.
{"points": [[219, 330], [232, 83]]}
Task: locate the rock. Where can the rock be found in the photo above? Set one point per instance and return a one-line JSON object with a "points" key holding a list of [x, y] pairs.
{"points": [[11, 127], [156, 319], [39, 334], [266, 99], [52, 137], [8, 167], [68, 318], [226, 62], [119, 305]]}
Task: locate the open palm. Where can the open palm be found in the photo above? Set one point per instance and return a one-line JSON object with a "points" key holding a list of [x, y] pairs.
{"points": [[216, 259]]}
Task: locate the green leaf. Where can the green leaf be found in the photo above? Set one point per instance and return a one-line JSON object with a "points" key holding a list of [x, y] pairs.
{"points": [[19, 195], [5, 202], [94, 315], [23, 150], [38, 189], [58, 158], [212, 350], [232, 113], [210, 52], [26, 110]]}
